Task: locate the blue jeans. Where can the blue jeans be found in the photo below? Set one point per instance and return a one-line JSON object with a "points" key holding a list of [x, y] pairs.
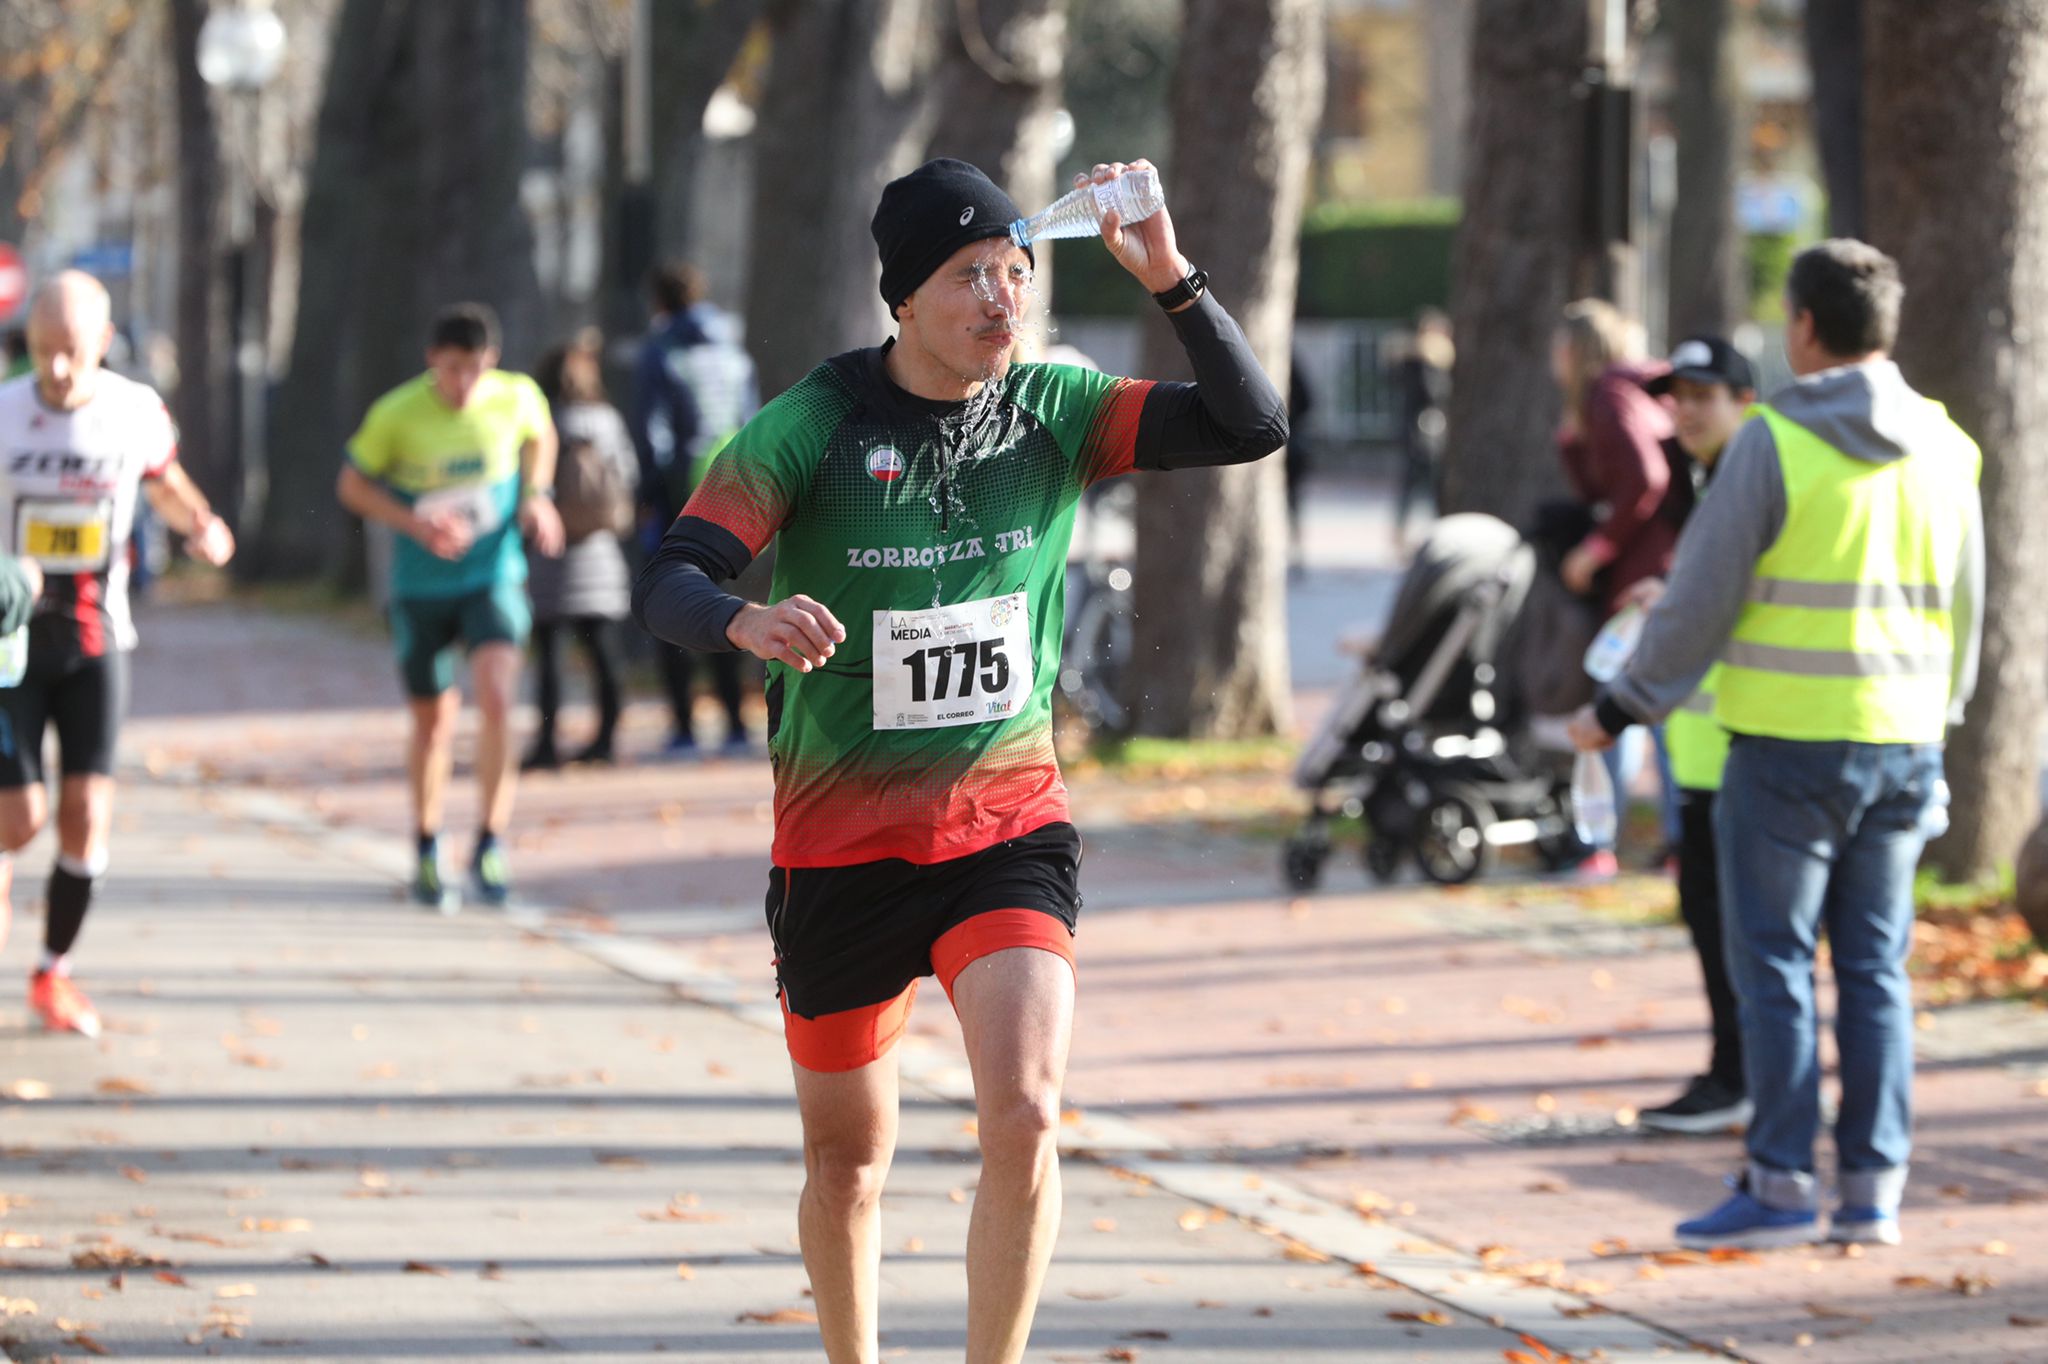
{"points": [[1813, 835]]}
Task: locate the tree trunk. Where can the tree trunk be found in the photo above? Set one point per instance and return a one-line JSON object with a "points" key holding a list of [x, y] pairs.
{"points": [[694, 47], [1513, 257], [1212, 543], [1835, 57], [838, 121], [208, 441], [1956, 156], [412, 204], [1707, 292]]}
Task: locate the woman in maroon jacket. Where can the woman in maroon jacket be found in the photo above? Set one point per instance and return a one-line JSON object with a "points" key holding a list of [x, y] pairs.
{"points": [[1612, 447], [1611, 443]]}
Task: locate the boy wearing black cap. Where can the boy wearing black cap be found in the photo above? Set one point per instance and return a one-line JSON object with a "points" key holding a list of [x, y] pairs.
{"points": [[1711, 386], [923, 493]]}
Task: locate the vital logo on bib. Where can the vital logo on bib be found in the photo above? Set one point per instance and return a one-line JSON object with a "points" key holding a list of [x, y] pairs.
{"points": [[885, 465]]}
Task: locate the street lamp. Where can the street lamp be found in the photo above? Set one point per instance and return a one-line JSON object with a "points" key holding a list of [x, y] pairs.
{"points": [[241, 47]]}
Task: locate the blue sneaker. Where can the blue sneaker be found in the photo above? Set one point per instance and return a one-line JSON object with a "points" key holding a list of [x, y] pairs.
{"points": [[1744, 1223], [1864, 1226], [680, 748]]}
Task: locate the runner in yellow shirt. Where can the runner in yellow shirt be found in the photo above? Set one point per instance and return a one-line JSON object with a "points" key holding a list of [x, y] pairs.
{"points": [[460, 463]]}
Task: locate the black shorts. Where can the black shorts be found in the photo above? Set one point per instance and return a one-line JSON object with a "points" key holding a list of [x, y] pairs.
{"points": [[84, 696], [850, 942]]}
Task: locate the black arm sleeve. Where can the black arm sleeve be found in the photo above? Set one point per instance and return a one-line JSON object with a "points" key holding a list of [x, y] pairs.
{"points": [[677, 596], [1231, 414]]}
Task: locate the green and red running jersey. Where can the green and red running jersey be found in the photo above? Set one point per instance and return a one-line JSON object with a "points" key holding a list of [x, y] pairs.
{"points": [[937, 534]]}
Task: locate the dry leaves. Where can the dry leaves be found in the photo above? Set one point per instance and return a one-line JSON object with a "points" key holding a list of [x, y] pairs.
{"points": [[781, 1316], [1432, 1317]]}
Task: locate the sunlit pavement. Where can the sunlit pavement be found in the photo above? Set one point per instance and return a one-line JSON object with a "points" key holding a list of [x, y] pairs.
{"points": [[298, 1065]]}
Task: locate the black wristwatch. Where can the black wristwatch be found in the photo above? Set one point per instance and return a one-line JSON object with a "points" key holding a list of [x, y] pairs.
{"points": [[1187, 291]]}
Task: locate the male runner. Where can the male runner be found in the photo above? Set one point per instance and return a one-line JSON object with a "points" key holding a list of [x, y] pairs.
{"points": [[924, 492], [459, 462], [78, 443]]}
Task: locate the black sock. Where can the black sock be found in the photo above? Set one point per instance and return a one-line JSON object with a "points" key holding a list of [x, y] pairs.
{"points": [[69, 896], [430, 844], [485, 841]]}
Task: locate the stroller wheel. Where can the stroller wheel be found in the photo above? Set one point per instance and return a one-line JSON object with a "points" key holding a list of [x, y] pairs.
{"points": [[1301, 862], [1383, 858], [1451, 847]]}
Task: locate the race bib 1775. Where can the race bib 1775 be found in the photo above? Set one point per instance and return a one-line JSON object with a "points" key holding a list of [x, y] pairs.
{"points": [[953, 665]]}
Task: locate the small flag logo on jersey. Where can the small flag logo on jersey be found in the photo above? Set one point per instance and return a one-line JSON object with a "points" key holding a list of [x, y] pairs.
{"points": [[885, 465]]}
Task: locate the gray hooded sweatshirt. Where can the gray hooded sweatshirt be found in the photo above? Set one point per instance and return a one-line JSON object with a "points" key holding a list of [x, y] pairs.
{"points": [[1866, 411]]}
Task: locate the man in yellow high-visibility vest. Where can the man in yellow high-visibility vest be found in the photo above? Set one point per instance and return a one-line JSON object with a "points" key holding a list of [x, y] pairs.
{"points": [[1835, 575]]}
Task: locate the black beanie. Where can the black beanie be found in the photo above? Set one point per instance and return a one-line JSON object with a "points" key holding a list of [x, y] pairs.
{"points": [[928, 215]]}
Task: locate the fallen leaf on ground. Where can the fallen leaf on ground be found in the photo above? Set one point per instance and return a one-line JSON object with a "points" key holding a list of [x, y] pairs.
{"points": [[1914, 1281], [1120, 1354], [1430, 1318], [235, 1290], [781, 1316], [121, 1084], [1610, 1245], [1192, 1220], [28, 1091], [1994, 1248], [1105, 1224], [88, 1344], [111, 1256], [1543, 1352], [683, 1271], [1146, 1335], [1972, 1285], [171, 1277], [1093, 1295], [422, 1267], [135, 1174], [1827, 1313], [2026, 1322]]}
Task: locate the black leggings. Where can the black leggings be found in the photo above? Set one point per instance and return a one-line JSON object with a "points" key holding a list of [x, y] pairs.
{"points": [[1699, 904], [676, 669], [594, 633]]}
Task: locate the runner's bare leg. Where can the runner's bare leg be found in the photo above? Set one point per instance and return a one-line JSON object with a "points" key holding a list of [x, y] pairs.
{"points": [[85, 817], [22, 812], [494, 673], [1016, 1012], [432, 755], [849, 1120]]}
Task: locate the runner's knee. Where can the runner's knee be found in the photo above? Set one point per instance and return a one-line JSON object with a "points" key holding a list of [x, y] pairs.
{"points": [[1017, 1123], [19, 824], [846, 1169]]}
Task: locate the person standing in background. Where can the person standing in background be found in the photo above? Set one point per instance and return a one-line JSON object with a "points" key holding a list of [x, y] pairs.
{"points": [[1611, 445], [586, 591], [693, 387], [1836, 577], [1422, 387], [1711, 386]]}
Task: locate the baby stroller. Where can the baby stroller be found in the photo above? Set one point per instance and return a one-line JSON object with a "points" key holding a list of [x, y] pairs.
{"points": [[1430, 743]]}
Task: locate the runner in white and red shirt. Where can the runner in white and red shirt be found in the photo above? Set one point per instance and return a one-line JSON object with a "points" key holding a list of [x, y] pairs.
{"points": [[78, 446]]}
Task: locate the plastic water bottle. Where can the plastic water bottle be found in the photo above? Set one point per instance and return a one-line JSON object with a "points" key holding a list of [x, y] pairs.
{"points": [[1592, 801], [1134, 196], [13, 656], [1611, 649]]}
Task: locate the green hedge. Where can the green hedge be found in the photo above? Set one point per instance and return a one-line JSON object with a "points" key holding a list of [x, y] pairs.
{"points": [[1357, 260]]}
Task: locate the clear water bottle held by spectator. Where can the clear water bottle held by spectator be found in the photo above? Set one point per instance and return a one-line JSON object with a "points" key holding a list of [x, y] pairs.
{"points": [[1133, 196], [1593, 814], [1611, 649]]}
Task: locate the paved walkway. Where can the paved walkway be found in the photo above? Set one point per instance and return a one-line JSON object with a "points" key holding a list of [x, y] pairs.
{"points": [[1422, 1082]]}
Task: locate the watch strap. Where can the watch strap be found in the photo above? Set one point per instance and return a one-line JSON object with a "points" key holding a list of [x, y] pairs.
{"points": [[1187, 291]]}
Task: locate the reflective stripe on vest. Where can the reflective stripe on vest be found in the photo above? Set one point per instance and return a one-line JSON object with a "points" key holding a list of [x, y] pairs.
{"points": [[1698, 746], [1847, 632]]}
